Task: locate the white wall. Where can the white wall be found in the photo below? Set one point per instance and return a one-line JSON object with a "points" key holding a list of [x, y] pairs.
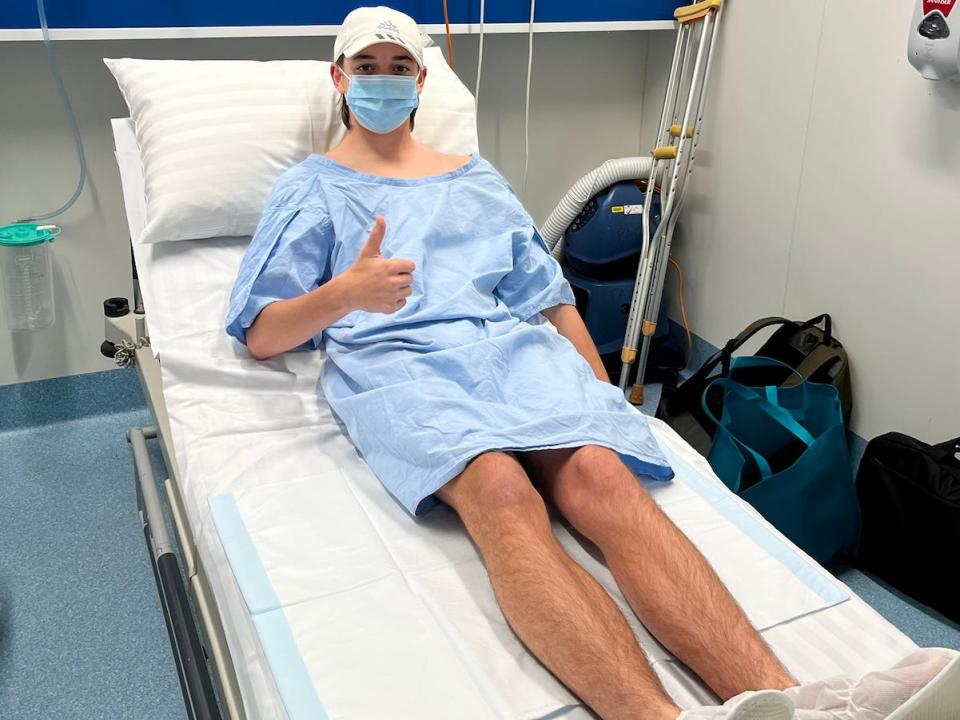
{"points": [[830, 181], [586, 107]]}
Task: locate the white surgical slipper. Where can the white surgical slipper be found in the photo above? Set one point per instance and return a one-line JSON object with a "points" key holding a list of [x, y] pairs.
{"points": [[923, 686], [759, 705]]}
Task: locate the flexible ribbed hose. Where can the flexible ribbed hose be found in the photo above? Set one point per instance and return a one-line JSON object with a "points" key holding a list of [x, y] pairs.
{"points": [[612, 171]]}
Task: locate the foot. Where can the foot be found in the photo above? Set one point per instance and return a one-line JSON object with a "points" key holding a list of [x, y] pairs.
{"points": [[923, 686], [762, 705]]}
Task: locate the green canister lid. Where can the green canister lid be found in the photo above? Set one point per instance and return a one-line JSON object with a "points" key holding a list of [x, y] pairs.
{"points": [[26, 234]]}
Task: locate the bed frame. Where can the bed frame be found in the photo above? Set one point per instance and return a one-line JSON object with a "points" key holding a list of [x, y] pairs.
{"points": [[205, 669], [208, 678]]}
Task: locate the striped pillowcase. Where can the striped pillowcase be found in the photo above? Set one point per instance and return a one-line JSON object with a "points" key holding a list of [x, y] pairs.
{"points": [[214, 135]]}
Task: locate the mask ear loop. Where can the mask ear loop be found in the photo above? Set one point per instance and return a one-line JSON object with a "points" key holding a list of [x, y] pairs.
{"points": [[343, 74]]}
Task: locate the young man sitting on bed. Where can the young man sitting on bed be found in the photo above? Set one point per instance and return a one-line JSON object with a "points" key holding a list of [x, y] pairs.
{"points": [[424, 278]]}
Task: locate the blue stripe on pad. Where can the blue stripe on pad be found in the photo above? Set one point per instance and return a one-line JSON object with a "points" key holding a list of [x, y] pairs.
{"points": [[279, 646], [243, 556], [731, 509], [293, 681]]}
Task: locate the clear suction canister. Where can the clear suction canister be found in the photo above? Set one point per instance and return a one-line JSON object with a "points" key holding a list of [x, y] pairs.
{"points": [[26, 274]]}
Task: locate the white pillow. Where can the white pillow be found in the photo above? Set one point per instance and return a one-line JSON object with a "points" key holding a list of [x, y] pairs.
{"points": [[447, 117], [214, 135]]}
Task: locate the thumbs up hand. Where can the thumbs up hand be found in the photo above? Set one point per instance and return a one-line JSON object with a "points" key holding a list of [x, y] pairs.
{"points": [[372, 247], [379, 284]]}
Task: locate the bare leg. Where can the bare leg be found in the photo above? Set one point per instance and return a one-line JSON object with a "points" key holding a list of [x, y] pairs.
{"points": [[668, 583], [559, 612]]}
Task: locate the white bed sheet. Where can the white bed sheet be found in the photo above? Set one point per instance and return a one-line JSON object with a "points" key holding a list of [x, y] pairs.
{"points": [[215, 395]]}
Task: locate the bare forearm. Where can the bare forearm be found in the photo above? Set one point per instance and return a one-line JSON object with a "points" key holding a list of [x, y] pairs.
{"points": [[287, 324], [569, 324]]}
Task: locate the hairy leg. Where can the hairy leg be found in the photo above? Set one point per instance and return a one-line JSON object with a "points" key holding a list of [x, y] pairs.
{"points": [[668, 583], [556, 608]]}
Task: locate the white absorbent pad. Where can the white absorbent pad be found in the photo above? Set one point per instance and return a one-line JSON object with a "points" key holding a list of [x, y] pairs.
{"points": [[391, 617]]}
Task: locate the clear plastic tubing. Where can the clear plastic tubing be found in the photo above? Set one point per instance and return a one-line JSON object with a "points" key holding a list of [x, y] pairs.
{"points": [[71, 120]]}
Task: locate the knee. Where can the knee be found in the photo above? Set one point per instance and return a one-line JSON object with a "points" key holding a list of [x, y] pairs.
{"points": [[598, 476], [601, 495], [495, 487]]}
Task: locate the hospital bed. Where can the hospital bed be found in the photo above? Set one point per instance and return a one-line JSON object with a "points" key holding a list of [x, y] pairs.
{"points": [[317, 596]]}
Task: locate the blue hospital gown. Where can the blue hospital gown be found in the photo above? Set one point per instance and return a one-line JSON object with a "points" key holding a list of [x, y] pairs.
{"points": [[466, 365]]}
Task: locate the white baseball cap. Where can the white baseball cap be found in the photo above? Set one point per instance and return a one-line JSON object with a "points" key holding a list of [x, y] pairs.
{"points": [[368, 26]]}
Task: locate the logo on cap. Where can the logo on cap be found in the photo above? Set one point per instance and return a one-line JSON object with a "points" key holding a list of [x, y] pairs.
{"points": [[388, 25]]}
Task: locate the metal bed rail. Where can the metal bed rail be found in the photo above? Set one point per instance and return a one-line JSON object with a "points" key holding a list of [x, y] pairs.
{"points": [[199, 697], [209, 693]]}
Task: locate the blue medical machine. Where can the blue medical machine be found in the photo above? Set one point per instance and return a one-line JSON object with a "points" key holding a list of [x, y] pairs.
{"points": [[602, 248]]}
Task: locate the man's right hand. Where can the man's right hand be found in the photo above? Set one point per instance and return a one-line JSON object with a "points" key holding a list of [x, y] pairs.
{"points": [[379, 284]]}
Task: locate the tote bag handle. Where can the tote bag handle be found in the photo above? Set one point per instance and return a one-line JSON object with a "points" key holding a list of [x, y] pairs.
{"points": [[768, 405]]}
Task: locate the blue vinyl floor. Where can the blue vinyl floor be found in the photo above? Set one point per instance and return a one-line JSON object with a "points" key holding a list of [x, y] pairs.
{"points": [[81, 630]]}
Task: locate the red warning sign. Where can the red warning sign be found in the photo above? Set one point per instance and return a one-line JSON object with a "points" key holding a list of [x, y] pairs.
{"points": [[944, 6]]}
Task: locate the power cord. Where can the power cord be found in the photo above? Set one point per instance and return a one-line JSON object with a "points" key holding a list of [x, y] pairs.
{"points": [[683, 309], [476, 88], [526, 109], [446, 22]]}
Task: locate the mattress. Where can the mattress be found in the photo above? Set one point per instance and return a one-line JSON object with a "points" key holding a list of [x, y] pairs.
{"points": [[336, 603]]}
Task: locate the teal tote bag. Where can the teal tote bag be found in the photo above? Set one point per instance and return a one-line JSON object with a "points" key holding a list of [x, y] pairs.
{"points": [[784, 450]]}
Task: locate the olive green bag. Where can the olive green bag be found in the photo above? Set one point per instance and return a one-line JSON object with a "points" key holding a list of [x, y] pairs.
{"points": [[814, 353], [808, 348]]}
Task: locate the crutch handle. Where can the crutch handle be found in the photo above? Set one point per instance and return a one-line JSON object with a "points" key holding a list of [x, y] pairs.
{"points": [[649, 328], [665, 152], [699, 10], [628, 355], [675, 131], [636, 395]]}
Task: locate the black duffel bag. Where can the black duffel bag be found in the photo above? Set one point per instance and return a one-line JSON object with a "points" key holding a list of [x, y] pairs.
{"points": [[909, 495], [808, 347]]}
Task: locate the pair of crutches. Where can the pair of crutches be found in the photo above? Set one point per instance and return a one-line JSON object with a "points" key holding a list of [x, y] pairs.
{"points": [[673, 158]]}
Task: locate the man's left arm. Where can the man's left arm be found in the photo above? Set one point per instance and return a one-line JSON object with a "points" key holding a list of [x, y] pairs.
{"points": [[569, 324]]}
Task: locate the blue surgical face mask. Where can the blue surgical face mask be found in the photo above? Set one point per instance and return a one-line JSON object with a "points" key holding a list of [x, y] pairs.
{"points": [[382, 102]]}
